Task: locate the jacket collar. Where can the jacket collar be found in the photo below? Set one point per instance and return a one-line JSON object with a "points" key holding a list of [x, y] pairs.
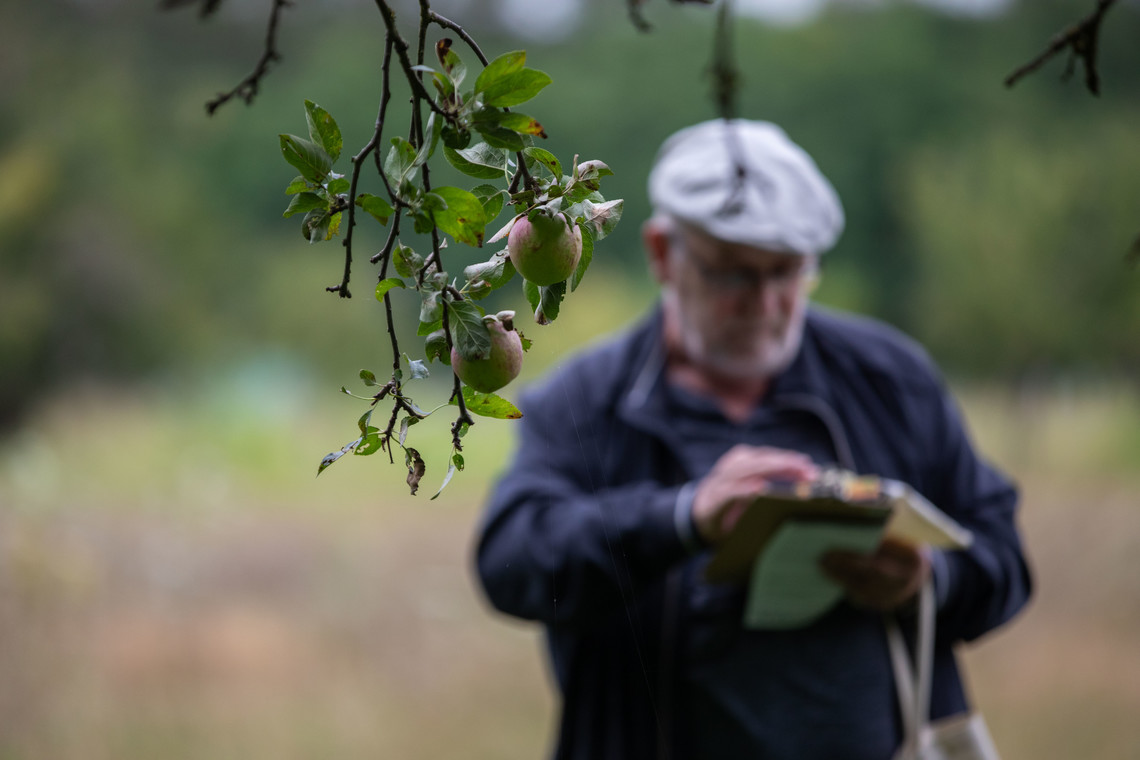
{"points": [[803, 385]]}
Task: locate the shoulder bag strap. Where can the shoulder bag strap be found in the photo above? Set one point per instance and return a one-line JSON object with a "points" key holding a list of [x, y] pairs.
{"points": [[913, 687]]}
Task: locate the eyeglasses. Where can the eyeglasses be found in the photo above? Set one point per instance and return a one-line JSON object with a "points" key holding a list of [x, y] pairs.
{"points": [[782, 276]]}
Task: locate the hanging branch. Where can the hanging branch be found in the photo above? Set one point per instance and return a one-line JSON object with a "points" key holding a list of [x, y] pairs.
{"points": [[724, 72], [447, 23], [426, 18], [637, 18], [1081, 39], [247, 88], [357, 164], [452, 321], [401, 44]]}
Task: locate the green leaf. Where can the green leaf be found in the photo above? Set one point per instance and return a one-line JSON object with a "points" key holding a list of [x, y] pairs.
{"points": [[435, 281], [480, 160], [587, 257], [317, 225], [427, 328], [369, 378], [370, 443], [297, 185], [545, 300], [400, 161], [422, 222], [602, 218], [379, 208], [330, 458], [435, 347], [443, 85], [464, 218], [425, 151], [516, 88], [503, 66], [500, 137], [492, 199], [406, 261], [457, 460], [387, 284], [417, 367], [512, 120], [362, 423], [338, 186], [455, 137], [488, 405], [578, 192], [446, 480], [323, 129], [455, 68], [309, 158], [432, 202], [533, 296], [496, 270], [546, 158], [594, 170], [304, 202], [406, 423], [431, 310], [472, 339]]}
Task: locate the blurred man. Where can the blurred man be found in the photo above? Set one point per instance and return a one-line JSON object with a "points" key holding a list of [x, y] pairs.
{"points": [[637, 458]]}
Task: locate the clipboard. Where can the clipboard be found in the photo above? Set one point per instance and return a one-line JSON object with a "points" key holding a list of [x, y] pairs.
{"points": [[837, 496]]}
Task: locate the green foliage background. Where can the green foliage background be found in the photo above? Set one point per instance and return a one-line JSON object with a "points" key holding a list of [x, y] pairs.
{"points": [[144, 239]]}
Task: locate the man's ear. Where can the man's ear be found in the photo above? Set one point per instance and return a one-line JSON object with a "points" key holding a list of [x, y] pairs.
{"points": [[655, 239]]}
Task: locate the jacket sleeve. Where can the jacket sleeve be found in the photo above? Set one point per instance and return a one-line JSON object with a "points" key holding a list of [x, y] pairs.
{"points": [[984, 586], [557, 543]]}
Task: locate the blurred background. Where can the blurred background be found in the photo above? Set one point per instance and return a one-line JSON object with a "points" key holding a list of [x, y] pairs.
{"points": [[174, 582]]}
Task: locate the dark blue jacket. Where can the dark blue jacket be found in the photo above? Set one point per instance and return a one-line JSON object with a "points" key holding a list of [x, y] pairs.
{"points": [[580, 532]]}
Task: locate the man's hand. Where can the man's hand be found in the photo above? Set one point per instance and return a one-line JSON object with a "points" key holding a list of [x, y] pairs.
{"points": [[884, 580], [740, 474]]}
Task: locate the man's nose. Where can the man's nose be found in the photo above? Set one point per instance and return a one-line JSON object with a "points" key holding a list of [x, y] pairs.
{"points": [[762, 296]]}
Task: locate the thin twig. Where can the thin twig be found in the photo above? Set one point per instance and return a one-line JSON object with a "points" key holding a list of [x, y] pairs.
{"points": [[384, 255], [636, 17], [401, 44], [357, 165], [247, 88], [725, 74], [1081, 38], [456, 387], [447, 23]]}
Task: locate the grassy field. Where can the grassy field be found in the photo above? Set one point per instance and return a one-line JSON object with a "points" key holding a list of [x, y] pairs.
{"points": [[175, 583]]}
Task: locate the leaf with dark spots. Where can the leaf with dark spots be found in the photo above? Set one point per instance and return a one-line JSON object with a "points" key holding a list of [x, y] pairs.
{"points": [[330, 458], [416, 468]]}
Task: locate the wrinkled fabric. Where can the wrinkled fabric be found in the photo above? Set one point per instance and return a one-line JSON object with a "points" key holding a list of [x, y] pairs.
{"points": [[779, 201], [580, 535]]}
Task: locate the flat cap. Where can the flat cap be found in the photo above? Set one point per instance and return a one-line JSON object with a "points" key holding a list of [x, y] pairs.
{"points": [[746, 182]]}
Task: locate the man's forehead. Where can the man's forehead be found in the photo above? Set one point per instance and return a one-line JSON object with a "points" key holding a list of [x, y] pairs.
{"points": [[728, 252]]}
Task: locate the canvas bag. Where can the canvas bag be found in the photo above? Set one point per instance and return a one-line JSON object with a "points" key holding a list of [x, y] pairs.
{"points": [[958, 737]]}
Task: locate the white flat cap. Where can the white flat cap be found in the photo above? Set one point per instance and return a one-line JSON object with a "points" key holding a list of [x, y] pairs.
{"points": [[746, 182]]}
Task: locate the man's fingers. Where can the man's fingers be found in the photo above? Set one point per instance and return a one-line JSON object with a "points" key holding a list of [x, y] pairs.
{"points": [[883, 580]]}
